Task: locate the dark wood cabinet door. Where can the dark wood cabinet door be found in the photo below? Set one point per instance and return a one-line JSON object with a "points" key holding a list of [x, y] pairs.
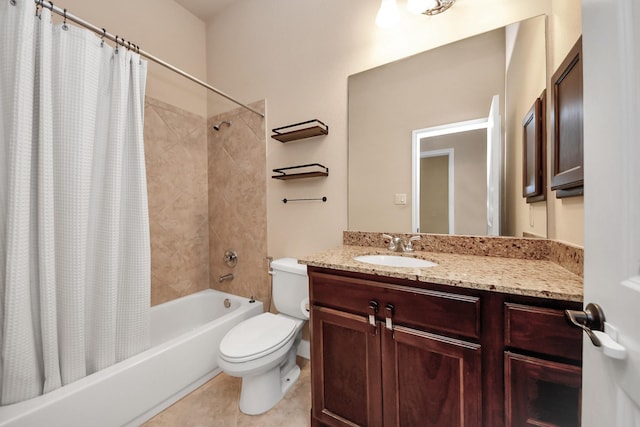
{"points": [[345, 369], [430, 380], [541, 392], [567, 158]]}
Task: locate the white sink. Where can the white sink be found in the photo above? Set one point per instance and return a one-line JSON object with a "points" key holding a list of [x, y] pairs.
{"points": [[395, 261]]}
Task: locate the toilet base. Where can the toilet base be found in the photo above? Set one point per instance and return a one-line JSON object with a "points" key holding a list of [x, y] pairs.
{"points": [[260, 393], [290, 379]]}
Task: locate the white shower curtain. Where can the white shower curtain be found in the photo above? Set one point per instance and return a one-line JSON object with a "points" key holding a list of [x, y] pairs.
{"points": [[74, 228]]}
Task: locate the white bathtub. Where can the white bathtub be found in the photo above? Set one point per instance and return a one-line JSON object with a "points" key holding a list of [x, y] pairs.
{"points": [[185, 334]]}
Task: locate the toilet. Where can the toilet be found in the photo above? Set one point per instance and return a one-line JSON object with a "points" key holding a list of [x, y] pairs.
{"points": [[262, 350]]}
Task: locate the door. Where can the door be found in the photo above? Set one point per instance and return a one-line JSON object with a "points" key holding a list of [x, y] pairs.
{"points": [[429, 380], [345, 366], [494, 171], [611, 47], [436, 192]]}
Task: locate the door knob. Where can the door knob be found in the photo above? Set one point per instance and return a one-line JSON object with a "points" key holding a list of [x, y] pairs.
{"points": [[592, 322], [592, 318]]}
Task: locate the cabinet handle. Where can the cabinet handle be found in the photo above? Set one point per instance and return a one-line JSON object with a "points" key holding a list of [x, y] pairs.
{"points": [[373, 310], [389, 316]]}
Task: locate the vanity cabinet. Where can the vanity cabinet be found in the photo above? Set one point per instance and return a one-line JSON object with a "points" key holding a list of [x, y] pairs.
{"points": [[395, 352]]}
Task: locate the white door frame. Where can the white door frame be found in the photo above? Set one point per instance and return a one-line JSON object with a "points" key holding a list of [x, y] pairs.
{"points": [[449, 152], [416, 137]]}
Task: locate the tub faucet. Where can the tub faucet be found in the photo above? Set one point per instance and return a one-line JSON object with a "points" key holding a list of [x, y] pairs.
{"points": [[225, 277]]}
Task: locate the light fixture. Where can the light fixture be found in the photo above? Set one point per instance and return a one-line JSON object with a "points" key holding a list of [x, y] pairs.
{"points": [[433, 7], [419, 6], [388, 15]]}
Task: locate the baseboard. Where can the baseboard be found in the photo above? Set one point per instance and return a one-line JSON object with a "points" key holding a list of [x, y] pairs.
{"points": [[304, 349]]}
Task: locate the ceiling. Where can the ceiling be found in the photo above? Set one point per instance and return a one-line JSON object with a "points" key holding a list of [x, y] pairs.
{"points": [[204, 9]]}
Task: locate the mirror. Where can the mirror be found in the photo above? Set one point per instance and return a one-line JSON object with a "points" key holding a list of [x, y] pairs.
{"points": [[450, 84], [457, 200]]}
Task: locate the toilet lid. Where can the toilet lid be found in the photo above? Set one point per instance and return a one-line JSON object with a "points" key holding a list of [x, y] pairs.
{"points": [[256, 336]]}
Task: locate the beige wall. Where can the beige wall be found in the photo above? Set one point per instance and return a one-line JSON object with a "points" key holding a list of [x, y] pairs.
{"points": [[164, 29], [298, 55], [283, 51], [525, 82], [565, 216]]}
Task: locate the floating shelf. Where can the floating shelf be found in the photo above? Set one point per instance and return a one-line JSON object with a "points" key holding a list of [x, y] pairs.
{"points": [[320, 170], [301, 130]]}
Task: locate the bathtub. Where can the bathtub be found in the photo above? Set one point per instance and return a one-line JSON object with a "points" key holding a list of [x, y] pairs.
{"points": [[185, 334]]}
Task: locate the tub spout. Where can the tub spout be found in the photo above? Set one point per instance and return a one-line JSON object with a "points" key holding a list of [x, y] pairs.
{"points": [[226, 277]]}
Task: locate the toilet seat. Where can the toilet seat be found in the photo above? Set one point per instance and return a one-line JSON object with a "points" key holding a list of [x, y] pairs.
{"points": [[256, 336]]}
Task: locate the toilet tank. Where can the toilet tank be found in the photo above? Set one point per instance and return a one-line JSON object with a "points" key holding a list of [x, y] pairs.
{"points": [[290, 287]]}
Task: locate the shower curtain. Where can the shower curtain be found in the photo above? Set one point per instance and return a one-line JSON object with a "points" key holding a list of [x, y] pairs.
{"points": [[74, 228]]}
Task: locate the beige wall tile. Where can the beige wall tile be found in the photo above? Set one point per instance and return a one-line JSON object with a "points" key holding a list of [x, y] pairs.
{"points": [[176, 161], [237, 202]]}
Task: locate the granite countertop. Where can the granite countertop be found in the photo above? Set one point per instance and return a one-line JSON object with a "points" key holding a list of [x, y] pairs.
{"points": [[537, 278]]}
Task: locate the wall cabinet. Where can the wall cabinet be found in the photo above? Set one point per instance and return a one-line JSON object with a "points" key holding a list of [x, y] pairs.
{"points": [[567, 151], [395, 352], [533, 152]]}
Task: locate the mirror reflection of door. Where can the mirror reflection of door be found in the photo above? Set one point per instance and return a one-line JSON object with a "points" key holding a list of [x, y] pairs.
{"points": [[435, 187], [467, 186]]}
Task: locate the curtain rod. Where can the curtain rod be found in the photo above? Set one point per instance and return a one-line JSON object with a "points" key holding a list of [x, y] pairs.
{"points": [[121, 41]]}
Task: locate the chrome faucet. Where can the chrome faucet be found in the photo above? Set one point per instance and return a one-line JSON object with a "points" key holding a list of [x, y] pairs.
{"points": [[397, 245], [409, 246]]}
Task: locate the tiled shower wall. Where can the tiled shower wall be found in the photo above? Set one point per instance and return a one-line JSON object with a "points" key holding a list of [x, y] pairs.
{"points": [[176, 161], [237, 202], [207, 193]]}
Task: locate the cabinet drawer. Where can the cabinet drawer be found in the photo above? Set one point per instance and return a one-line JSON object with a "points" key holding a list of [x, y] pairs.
{"points": [[541, 330], [419, 308]]}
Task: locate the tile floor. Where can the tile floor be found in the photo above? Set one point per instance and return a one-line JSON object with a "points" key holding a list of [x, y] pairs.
{"points": [[215, 404]]}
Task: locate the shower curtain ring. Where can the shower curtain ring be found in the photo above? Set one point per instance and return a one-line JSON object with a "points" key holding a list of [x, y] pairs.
{"points": [[116, 44], [64, 23], [104, 33]]}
